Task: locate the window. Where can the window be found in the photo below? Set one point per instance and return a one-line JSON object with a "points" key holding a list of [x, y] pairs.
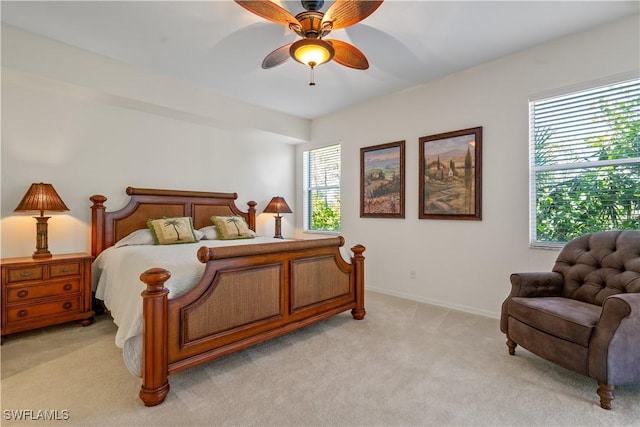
{"points": [[585, 163], [321, 171]]}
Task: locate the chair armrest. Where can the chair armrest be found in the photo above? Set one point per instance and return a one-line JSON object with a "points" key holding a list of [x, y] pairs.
{"points": [[614, 349], [529, 285]]}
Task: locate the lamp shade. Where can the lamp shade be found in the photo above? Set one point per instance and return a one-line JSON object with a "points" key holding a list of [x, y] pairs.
{"points": [[41, 197], [277, 205], [311, 52]]}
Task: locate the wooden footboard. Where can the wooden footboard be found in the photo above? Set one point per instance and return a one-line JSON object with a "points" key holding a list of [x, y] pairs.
{"points": [[247, 295]]}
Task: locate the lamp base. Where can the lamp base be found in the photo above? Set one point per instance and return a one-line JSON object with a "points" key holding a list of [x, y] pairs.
{"points": [[42, 254], [278, 234], [42, 241]]}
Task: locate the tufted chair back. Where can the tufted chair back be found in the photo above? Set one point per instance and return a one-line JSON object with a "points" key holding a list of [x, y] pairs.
{"points": [[597, 265]]}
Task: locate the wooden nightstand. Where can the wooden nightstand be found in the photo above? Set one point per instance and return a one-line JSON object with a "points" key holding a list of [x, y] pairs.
{"points": [[46, 291]]}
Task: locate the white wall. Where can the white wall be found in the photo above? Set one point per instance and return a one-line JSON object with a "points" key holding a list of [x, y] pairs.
{"points": [[90, 125], [466, 264]]}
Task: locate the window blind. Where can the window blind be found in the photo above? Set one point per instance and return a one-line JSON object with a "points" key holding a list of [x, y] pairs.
{"points": [[585, 162]]}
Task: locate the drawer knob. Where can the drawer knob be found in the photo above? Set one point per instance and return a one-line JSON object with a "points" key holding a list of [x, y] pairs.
{"points": [[67, 287], [67, 305], [23, 293], [25, 274], [66, 270], [22, 313]]}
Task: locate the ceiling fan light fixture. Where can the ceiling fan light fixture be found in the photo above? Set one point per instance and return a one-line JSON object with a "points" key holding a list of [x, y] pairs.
{"points": [[312, 52]]}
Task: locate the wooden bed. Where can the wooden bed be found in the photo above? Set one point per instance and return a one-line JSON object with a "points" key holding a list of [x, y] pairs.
{"points": [[247, 294]]}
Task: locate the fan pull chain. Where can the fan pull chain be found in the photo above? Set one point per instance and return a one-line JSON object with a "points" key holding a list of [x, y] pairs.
{"points": [[312, 80]]}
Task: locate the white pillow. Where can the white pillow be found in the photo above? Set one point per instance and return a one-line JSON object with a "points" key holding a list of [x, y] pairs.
{"points": [[138, 237], [209, 233], [199, 234]]}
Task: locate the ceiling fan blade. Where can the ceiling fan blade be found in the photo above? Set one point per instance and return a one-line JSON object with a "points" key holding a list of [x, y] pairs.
{"points": [[269, 11], [348, 55], [277, 57], [344, 13]]}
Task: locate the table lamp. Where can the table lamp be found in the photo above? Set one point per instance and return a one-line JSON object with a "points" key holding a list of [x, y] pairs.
{"points": [[277, 205], [41, 197]]}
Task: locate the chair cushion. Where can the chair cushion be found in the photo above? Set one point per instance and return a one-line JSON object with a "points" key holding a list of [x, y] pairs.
{"points": [[562, 317]]}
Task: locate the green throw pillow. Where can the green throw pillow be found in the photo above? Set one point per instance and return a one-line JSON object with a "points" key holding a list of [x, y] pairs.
{"points": [[168, 231], [232, 227]]}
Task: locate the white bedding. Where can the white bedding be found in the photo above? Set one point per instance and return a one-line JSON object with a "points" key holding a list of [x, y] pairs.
{"points": [[116, 281]]}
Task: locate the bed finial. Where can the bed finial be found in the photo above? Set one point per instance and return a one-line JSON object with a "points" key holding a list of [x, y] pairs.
{"points": [[203, 254]]}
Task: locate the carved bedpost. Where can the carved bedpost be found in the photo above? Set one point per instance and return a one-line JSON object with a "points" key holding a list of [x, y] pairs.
{"points": [[252, 215], [97, 219], [155, 384], [357, 260]]}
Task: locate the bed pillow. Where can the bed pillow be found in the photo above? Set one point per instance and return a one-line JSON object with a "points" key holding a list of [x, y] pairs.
{"points": [[168, 231], [138, 237], [232, 227], [208, 233]]}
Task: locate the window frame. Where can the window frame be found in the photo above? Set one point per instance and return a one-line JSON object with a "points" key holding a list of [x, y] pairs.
{"points": [[575, 91], [309, 189]]}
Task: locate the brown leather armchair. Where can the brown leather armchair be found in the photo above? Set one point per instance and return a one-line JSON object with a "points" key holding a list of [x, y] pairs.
{"points": [[585, 314]]}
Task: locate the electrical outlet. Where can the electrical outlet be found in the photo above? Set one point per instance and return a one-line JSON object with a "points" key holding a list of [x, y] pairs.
{"points": [[412, 274]]}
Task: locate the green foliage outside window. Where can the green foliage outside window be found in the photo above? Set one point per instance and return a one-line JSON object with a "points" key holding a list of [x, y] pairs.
{"points": [[325, 216]]}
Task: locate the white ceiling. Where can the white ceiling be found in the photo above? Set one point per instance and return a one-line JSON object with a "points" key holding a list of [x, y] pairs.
{"points": [[219, 45]]}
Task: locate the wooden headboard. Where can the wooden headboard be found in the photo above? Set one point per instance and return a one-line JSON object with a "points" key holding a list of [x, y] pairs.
{"points": [[109, 227]]}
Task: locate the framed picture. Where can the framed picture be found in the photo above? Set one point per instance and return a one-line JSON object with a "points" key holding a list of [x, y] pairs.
{"points": [[450, 184], [382, 180]]}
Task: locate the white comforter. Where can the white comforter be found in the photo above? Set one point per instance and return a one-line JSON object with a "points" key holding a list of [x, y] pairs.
{"points": [[116, 281]]}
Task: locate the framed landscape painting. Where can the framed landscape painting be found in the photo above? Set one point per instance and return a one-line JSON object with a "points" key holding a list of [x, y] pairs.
{"points": [[451, 175], [382, 180]]}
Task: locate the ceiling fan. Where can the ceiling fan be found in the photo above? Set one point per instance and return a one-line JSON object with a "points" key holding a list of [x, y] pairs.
{"points": [[313, 25]]}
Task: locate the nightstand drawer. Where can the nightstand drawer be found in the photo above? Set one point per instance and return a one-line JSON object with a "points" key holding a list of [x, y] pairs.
{"points": [[67, 269], [25, 273], [16, 314], [26, 292]]}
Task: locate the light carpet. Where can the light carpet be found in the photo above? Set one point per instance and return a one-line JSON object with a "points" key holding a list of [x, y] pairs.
{"points": [[407, 363]]}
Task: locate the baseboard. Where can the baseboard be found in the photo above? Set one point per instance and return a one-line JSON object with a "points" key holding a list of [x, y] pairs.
{"points": [[438, 303]]}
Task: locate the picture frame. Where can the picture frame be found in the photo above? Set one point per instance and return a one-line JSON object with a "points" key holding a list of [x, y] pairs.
{"points": [[450, 175], [382, 180]]}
